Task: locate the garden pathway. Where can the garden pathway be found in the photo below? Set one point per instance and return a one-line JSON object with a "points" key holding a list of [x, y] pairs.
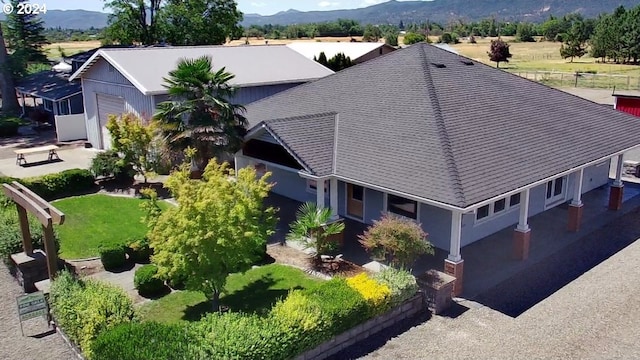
{"points": [[39, 343]]}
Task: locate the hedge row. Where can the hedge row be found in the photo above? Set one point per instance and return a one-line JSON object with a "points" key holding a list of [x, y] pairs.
{"points": [[54, 186], [85, 309], [301, 321]]}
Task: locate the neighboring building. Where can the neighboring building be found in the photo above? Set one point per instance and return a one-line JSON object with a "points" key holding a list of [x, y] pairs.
{"points": [[628, 102], [463, 148], [358, 52], [132, 79], [53, 90]]}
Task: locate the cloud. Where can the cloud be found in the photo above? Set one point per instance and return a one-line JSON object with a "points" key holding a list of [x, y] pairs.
{"points": [[324, 4], [258, 4]]}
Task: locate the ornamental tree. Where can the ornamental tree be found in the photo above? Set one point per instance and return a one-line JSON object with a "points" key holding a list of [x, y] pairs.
{"points": [[219, 227], [132, 138], [499, 52], [396, 240]]}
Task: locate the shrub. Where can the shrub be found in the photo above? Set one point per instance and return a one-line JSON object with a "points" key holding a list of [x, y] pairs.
{"points": [[84, 309], [301, 319], [148, 340], [11, 236], [113, 258], [147, 282], [177, 281], [56, 185], [397, 240], [9, 126], [139, 251], [402, 284], [106, 164], [243, 336], [413, 38], [342, 306], [376, 294]]}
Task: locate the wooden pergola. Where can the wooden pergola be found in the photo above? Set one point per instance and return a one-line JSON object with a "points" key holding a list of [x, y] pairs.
{"points": [[29, 202]]}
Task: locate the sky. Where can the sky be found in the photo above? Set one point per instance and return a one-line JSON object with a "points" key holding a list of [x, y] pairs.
{"points": [[262, 7]]}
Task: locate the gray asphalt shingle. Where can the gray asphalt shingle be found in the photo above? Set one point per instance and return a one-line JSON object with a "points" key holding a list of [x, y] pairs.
{"points": [[457, 134]]}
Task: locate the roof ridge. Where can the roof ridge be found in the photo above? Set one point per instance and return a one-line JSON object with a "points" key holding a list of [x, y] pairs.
{"points": [[443, 134]]}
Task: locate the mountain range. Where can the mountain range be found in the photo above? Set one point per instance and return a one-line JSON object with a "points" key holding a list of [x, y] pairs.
{"points": [[391, 12]]}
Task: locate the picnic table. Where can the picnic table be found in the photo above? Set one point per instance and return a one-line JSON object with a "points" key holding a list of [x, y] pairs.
{"points": [[51, 149]]}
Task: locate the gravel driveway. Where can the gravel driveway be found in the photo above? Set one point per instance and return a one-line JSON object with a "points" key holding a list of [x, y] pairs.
{"points": [[13, 346]]}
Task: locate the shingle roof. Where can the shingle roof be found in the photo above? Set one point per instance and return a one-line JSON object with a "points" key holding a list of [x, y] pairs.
{"points": [[310, 138], [50, 85], [353, 50], [145, 68], [423, 121]]}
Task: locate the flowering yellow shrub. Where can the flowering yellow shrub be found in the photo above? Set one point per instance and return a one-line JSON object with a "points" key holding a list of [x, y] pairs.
{"points": [[376, 294]]}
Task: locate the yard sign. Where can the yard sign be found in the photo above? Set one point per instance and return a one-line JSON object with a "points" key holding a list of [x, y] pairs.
{"points": [[31, 306]]}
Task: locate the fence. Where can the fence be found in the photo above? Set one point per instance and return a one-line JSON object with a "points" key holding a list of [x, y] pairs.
{"points": [[71, 127], [584, 80]]}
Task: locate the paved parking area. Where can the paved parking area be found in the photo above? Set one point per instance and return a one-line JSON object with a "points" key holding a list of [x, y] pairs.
{"points": [[70, 158], [592, 317]]}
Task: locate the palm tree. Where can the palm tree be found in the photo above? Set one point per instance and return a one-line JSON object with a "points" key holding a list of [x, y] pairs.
{"points": [[312, 228], [199, 113]]}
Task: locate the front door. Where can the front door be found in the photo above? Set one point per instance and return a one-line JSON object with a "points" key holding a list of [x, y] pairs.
{"points": [[355, 201], [556, 191]]}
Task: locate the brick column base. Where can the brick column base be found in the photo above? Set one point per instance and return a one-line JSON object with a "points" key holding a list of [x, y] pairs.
{"points": [[455, 269], [615, 197], [521, 242], [575, 217]]}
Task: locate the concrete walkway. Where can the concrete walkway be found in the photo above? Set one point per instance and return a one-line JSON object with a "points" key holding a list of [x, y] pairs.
{"points": [[122, 279], [70, 158]]}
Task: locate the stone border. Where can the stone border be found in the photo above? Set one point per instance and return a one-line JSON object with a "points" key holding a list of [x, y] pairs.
{"points": [[338, 343]]}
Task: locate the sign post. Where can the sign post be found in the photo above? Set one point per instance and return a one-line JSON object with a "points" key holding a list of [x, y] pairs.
{"points": [[31, 306]]}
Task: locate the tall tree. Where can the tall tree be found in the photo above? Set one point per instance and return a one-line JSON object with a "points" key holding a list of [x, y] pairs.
{"points": [[199, 113], [525, 32], [219, 227], [575, 42], [25, 40], [133, 21], [200, 22], [371, 33], [499, 52], [10, 104]]}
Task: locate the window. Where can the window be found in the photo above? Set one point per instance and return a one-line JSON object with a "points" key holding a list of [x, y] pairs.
{"points": [[357, 193], [47, 104], [63, 107], [515, 200], [482, 212], [555, 190], [401, 206], [312, 186], [497, 207]]}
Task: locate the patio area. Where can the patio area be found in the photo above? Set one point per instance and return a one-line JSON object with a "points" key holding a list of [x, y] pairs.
{"points": [[490, 261]]}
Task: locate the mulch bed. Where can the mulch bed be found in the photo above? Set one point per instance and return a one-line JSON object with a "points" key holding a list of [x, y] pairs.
{"points": [[290, 256]]}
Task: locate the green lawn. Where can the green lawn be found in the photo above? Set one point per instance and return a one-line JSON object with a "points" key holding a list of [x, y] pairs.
{"points": [[254, 291], [98, 220]]}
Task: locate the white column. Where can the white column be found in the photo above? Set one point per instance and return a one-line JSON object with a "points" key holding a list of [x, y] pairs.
{"points": [[456, 229], [523, 224], [577, 188], [333, 193], [619, 166], [320, 193]]}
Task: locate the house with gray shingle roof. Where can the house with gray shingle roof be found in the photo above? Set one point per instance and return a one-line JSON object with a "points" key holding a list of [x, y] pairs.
{"points": [[463, 148], [118, 80]]}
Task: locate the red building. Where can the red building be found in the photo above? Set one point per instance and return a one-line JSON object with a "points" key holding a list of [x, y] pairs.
{"points": [[628, 102]]}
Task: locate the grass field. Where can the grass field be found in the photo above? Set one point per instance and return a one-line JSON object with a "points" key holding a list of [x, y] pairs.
{"points": [[252, 292], [98, 220], [70, 48]]}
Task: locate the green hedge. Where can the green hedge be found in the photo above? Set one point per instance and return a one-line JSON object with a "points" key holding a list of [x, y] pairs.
{"points": [[146, 281], [113, 258], [53, 186], [146, 341], [85, 309], [139, 251]]}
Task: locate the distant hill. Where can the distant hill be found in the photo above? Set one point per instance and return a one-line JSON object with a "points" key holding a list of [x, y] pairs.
{"points": [[72, 19], [443, 11]]}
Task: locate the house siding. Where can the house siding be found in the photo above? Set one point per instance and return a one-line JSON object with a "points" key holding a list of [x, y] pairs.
{"points": [[436, 222], [99, 80], [250, 94]]}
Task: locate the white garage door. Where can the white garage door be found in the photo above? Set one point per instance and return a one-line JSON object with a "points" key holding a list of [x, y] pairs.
{"points": [[108, 105]]}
